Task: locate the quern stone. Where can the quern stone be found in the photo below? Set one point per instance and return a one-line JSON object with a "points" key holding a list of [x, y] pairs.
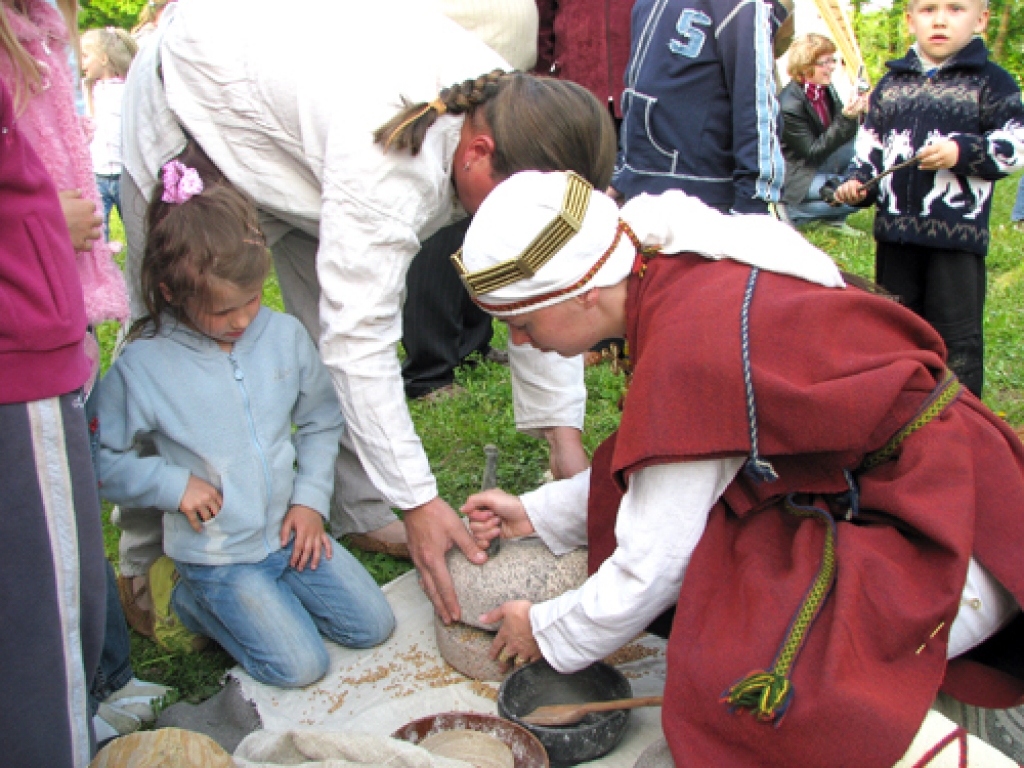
{"points": [[524, 569], [466, 649]]}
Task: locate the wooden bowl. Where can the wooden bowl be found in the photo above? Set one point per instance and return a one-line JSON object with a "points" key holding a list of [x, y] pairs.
{"points": [[527, 751]]}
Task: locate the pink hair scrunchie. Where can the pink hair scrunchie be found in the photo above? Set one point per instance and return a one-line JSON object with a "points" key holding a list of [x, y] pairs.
{"points": [[181, 183]]}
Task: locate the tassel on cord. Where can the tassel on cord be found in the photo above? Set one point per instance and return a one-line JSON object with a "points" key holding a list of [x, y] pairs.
{"points": [[766, 694]]}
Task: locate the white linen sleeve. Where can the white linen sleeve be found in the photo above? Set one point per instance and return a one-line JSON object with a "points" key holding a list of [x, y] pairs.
{"points": [[558, 512], [375, 210], [661, 519], [547, 389]]}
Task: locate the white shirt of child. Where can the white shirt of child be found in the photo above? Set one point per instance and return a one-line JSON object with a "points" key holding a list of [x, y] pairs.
{"points": [[106, 116]]}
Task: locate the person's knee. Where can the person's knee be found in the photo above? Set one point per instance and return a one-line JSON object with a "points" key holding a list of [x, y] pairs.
{"points": [[376, 627], [301, 667]]}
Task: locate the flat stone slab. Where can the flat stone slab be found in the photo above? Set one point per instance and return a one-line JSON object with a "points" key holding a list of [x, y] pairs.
{"points": [[524, 569]]}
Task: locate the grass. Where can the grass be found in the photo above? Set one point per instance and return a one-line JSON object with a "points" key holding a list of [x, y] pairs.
{"points": [[454, 431]]}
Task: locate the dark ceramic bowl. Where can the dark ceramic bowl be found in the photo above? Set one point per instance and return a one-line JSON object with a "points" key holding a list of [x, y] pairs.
{"points": [[527, 751], [538, 684]]}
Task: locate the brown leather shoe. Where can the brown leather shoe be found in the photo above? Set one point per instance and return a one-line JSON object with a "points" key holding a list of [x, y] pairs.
{"points": [[138, 618], [396, 549]]}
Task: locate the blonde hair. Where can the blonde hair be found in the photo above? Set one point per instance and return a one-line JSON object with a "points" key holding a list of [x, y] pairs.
{"points": [[28, 78], [805, 51], [116, 44], [148, 14]]}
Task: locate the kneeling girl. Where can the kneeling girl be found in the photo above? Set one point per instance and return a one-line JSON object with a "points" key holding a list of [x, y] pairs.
{"points": [[244, 424]]}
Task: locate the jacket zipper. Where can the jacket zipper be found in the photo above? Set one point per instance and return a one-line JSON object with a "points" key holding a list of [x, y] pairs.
{"points": [[240, 379]]}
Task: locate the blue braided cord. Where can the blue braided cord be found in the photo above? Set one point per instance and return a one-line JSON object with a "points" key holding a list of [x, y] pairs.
{"points": [[757, 469]]}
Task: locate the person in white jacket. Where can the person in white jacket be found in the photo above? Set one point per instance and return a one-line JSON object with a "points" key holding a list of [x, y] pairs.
{"points": [[286, 106]]}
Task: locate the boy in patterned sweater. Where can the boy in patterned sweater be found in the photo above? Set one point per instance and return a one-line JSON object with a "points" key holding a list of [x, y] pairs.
{"points": [[961, 117]]}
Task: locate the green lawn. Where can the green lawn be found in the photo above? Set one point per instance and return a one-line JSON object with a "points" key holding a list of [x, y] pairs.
{"points": [[455, 431]]}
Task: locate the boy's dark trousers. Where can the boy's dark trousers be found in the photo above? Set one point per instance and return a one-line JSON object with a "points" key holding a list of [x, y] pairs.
{"points": [[946, 288]]}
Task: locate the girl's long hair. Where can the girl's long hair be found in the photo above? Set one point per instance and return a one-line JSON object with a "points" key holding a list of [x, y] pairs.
{"points": [[213, 236], [29, 78]]}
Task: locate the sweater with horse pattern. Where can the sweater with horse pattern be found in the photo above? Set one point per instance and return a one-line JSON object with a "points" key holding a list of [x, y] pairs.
{"points": [[969, 100]]}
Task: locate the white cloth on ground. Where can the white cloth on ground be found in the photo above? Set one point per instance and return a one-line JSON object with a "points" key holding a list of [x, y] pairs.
{"points": [[334, 749]]}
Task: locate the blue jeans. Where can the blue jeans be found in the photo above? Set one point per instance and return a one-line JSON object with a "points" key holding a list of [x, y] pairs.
{"points": [[1018, 206], [115, 670], [269, 616], [812, 207], [110, 193]]}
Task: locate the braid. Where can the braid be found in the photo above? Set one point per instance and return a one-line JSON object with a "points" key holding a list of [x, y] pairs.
{"points": [[408, 128]]}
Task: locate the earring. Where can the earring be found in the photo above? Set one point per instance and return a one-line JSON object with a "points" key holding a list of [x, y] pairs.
{"points": [[465, 167]]}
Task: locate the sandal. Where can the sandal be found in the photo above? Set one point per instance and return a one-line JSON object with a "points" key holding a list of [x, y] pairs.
{"points": [[397, 549], [138, 617]]}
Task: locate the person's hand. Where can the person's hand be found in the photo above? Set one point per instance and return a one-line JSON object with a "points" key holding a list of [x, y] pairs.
{"points": [[939, 155], [514, 642], [432, 529], [616, 196], [310, 537], [851, 192], [201, 502], [857, 105], [495, 513], [84, 223]]}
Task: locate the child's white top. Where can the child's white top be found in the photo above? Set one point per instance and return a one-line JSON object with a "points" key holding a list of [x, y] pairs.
{"points": [[106, 142]]}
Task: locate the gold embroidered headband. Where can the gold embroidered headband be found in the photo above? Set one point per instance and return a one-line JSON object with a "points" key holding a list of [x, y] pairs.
{"points": [[539, 252]]}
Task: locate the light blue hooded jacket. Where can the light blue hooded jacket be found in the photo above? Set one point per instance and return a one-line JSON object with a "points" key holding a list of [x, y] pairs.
{"points": [[226, 418]]}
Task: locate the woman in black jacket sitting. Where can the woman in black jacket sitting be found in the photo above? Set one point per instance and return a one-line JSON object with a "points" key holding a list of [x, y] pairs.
{"points": [[818, 132]]}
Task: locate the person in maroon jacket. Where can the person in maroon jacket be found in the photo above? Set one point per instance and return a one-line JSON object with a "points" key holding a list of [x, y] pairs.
{"points": [[837, 521], [51, 544], [588, 43]]}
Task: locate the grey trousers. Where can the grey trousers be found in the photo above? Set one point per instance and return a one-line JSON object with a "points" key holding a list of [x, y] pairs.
{"points": [[357, 505]]}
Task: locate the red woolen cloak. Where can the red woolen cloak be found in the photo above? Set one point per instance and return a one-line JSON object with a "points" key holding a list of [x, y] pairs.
{"points": [[835, 374]]}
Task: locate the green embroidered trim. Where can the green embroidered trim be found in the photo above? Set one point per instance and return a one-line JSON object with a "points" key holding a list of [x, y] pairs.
{"points": [[945, 393], [768, 694]]}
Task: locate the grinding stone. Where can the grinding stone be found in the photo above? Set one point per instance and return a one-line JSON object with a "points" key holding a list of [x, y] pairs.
{"points": [[466, 649], [524, 569], [480, 749]]}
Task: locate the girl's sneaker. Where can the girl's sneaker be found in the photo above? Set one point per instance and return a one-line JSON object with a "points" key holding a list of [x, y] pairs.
{"points": [[109, 722], [139, 698], [168, 631]]}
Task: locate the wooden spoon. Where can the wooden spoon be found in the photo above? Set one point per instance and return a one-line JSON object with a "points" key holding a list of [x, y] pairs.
{"points": [[570, 714]]}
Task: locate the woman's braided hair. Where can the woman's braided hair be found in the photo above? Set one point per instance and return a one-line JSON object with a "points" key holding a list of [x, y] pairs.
{"points": [[408, 128], [537, 123]]}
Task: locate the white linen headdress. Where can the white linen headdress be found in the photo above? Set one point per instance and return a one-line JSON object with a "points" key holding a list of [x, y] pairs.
{"points": [[532, 245]]}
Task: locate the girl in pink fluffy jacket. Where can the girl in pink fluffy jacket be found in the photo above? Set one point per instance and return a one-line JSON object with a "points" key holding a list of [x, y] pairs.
{"points": [[34, 42]]}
